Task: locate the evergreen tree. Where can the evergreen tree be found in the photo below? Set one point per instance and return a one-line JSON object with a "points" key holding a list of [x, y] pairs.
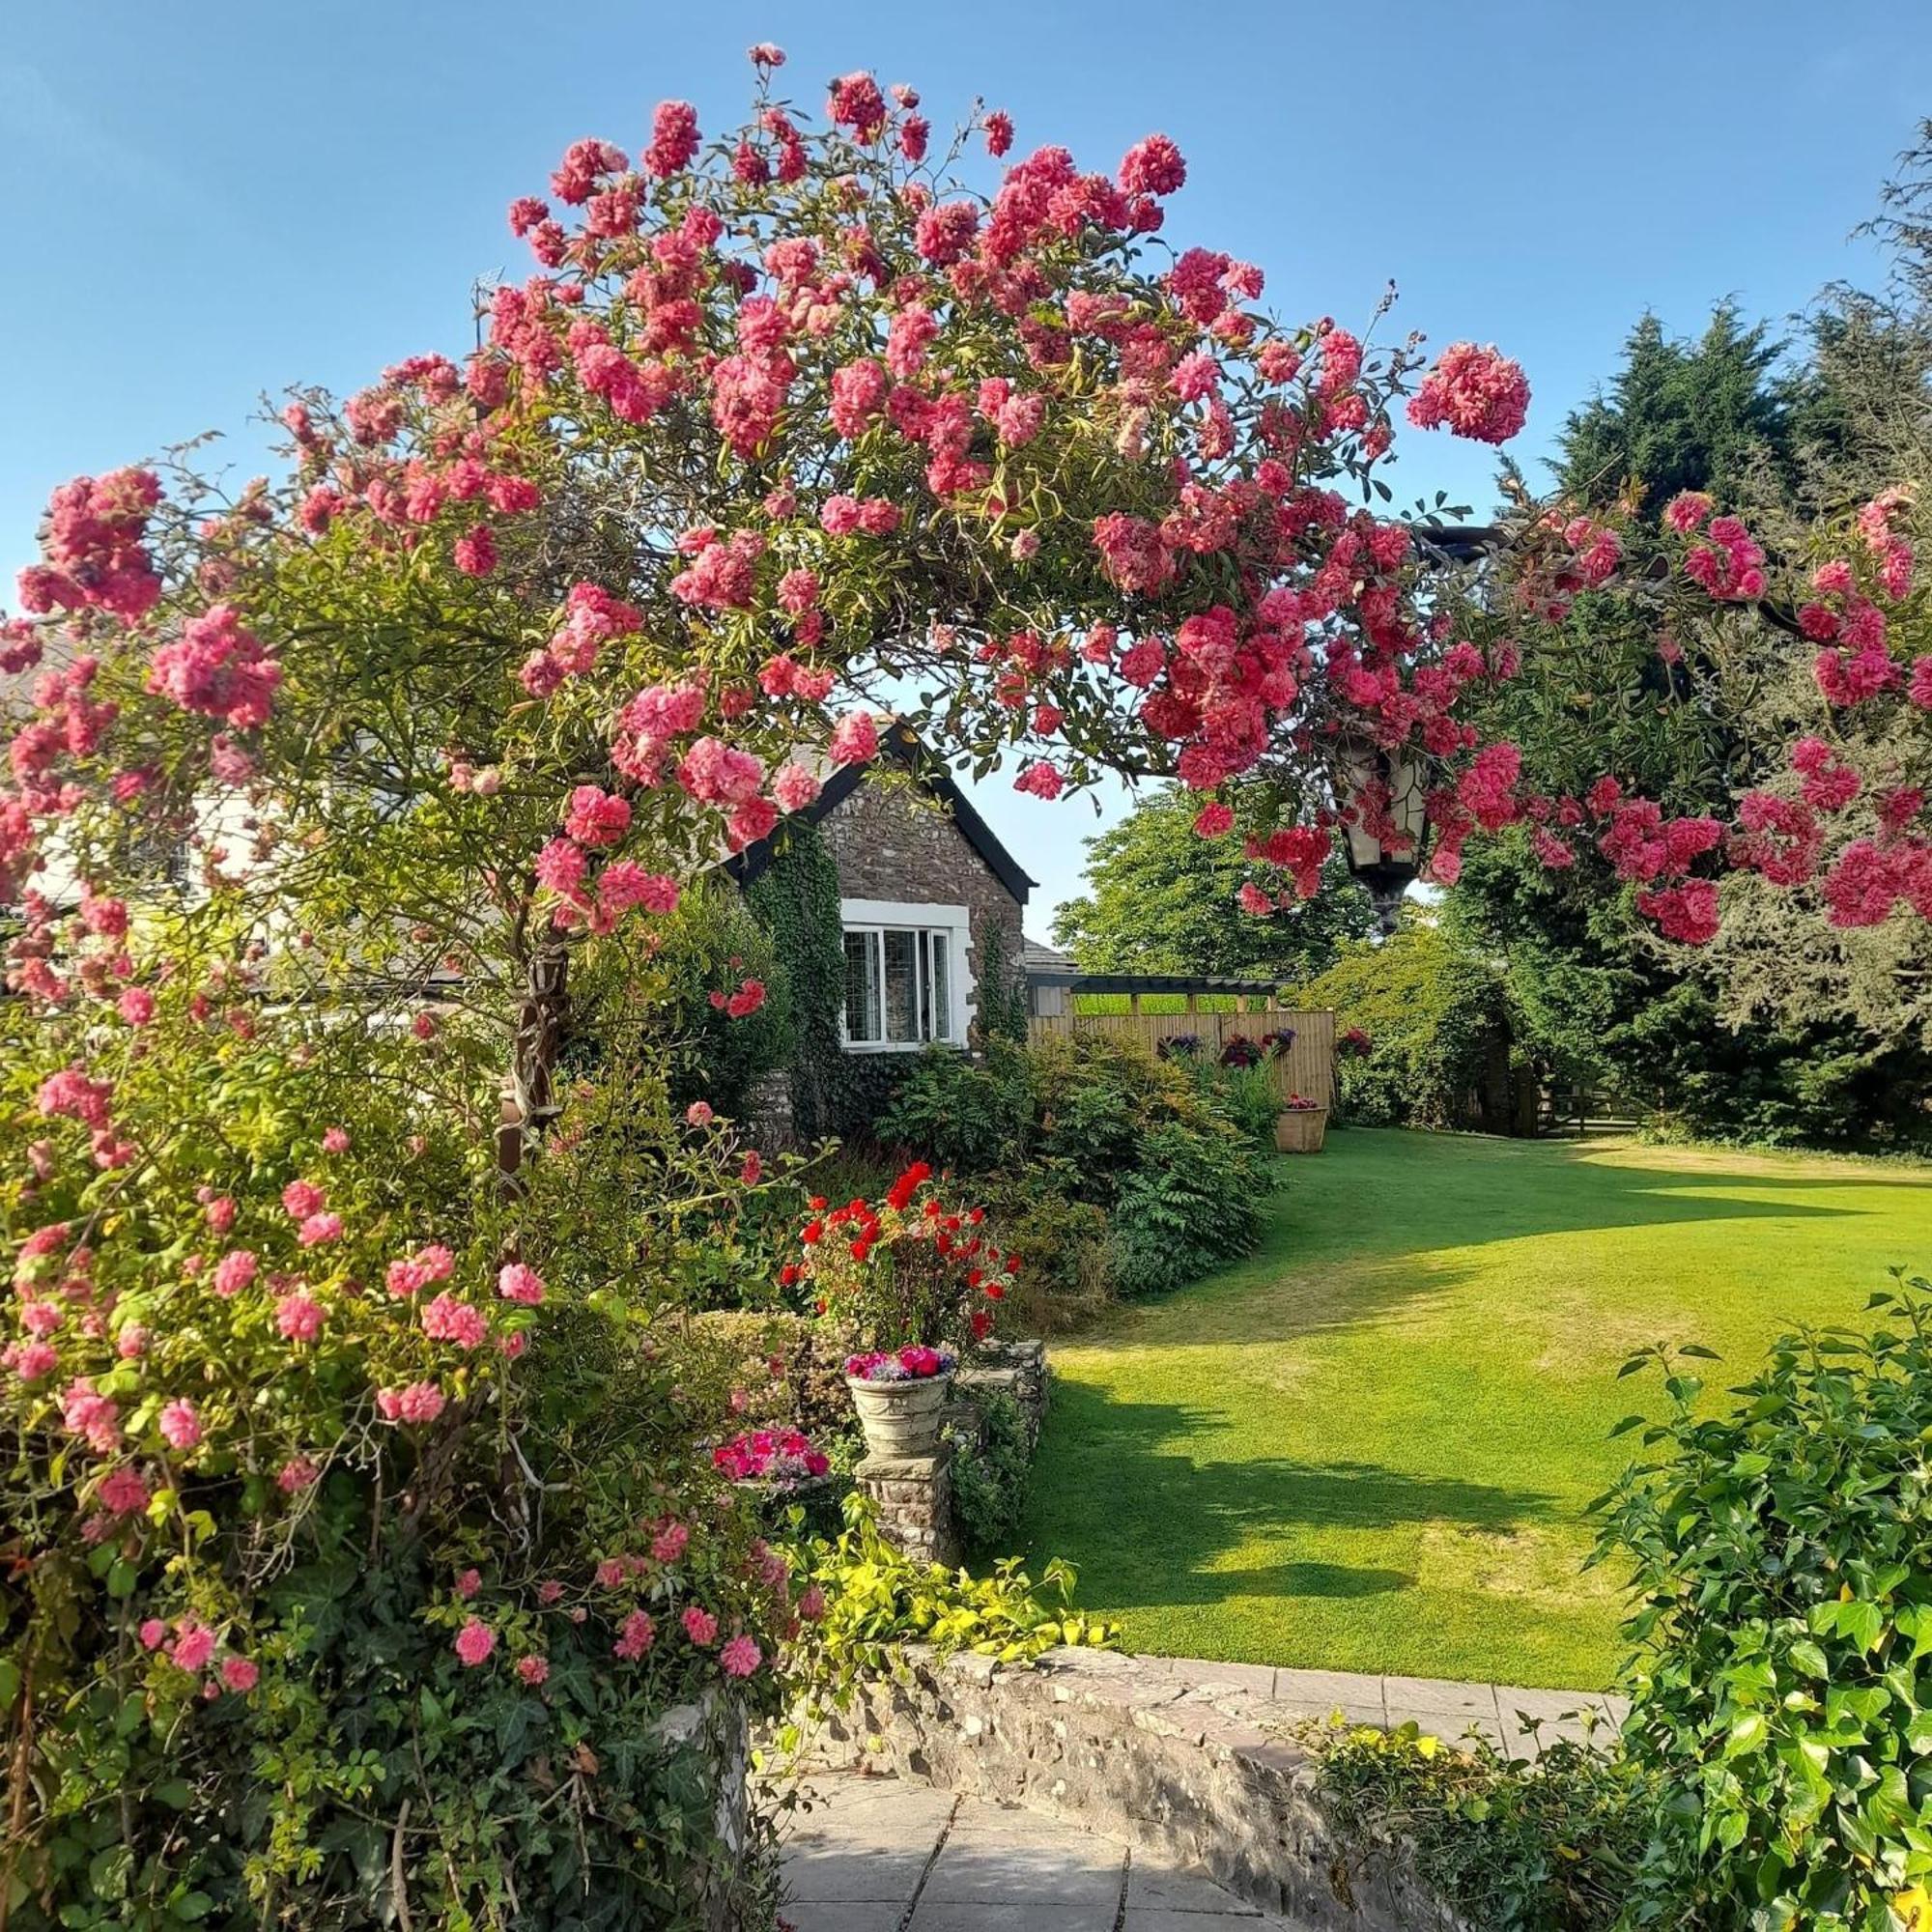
{"points": [[1681, 415]]}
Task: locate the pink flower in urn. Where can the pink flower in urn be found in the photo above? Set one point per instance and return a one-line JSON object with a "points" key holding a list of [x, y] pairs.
{"points": [[740, 1657], [700, 1625]]}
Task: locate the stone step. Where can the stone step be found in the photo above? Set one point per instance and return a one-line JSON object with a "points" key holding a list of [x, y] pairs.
{"points": [[1203, 1766], [883, 1854]]}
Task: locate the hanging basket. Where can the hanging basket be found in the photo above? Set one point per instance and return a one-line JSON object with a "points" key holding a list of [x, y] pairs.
{"points": [[901, 1418], [1300, 1129]]}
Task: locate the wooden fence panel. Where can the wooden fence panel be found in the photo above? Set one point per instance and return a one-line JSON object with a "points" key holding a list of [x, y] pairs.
{"points": [[1307, 1067]]}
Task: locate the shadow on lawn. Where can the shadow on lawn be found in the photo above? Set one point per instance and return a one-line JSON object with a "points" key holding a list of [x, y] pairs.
{"points": [[1151, 1529], [1363, 1229]]}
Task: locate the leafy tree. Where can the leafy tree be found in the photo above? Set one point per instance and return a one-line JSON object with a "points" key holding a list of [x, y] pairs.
{"points": [[1162, 899], [1439, 1026], [359, 1543], [1797, 1021]]}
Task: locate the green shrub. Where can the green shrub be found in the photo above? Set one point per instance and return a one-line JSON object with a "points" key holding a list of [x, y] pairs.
{"points": [[1506, 1845], [970, 1116], [1065, 1253], [1247, 1095], [1191, 1201], [1782, 1570], [877, 1598], [1105, 1164], [1092, 1094], [992, 1474]]}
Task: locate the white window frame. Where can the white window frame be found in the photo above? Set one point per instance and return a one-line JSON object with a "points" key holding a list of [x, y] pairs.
{"points": [[881, 916]]}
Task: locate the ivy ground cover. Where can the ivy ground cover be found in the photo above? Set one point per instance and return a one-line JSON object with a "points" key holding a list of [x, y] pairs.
{"points": [[1370, 1446]]}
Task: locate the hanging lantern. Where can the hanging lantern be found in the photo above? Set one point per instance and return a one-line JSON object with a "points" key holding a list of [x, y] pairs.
{"points": [[1394, 783]]}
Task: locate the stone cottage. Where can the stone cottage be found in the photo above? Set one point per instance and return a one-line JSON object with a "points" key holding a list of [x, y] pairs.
{"points": [[929, 899]]}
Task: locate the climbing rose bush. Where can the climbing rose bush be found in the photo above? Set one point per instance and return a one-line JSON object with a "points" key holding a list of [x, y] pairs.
{"points": [[357, 1550]]}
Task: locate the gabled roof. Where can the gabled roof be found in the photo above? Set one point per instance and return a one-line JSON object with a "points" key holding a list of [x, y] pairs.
{"points": [[903, 747]]}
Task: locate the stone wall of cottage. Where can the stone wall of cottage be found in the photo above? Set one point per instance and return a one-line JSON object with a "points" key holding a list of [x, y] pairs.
{"points": [[896, 841]]}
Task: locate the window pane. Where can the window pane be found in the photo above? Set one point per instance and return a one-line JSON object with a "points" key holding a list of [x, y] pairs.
{"points": [[901, 989], [941, 989], [862, 986]]}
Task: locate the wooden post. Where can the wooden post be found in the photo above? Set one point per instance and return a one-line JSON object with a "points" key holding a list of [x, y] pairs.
{"points": [[1194, 1003], [1241, 1002], [1133, 1003]]}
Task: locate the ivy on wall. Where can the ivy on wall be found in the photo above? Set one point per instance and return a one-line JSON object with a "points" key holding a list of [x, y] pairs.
{"points": [[1001, 1010], [795, 899]]}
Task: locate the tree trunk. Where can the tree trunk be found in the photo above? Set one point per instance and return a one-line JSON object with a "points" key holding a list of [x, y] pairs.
{"points": [[530, 1105]]}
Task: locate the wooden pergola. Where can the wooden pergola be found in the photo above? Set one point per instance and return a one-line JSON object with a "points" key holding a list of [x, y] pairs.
{"points": [[1189, 985]]}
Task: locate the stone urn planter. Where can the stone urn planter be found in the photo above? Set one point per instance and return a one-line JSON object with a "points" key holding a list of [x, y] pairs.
{"points": [[901, 1418], [1300, 1129]]}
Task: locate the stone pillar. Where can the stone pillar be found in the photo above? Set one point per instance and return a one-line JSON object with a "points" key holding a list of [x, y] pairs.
{"points": [[1016, 1369], [912, 1502]]}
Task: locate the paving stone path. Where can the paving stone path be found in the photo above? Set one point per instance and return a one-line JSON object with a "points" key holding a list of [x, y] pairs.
{"points": [[1517, 1721], [878, 1854]]}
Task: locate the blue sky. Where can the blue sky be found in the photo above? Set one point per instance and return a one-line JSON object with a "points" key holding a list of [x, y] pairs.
{"points": [[208, 200]]}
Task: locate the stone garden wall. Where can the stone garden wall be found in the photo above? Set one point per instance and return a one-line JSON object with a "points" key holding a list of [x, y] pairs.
{"points": [[1182, 1758]]}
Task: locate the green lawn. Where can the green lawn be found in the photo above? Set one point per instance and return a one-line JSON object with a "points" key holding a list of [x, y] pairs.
{"points": [[1369, 1446]]}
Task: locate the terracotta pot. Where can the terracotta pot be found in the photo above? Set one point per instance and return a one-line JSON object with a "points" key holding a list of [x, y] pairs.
{"points": [[1300, 1129], [901, 1418]]}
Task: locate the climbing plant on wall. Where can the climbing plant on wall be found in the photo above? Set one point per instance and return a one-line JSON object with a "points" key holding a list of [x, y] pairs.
{"points": [[795, 898]]}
